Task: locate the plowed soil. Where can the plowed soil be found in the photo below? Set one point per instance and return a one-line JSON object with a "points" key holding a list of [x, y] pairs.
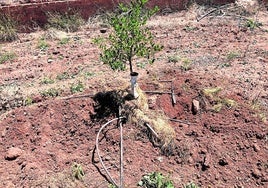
{"points": [[45, 128]]}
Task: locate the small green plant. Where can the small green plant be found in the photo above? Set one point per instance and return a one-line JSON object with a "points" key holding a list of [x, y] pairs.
{"points": [[42, 44], [232, 55], [69, 21], [64, 41], [211, 92], [88, 74], [52, 92], [7, 56], [77, 171], [252, 24], [256, 105], [130, 37], [47, 80], [189, 28], [229, 102], [174, 59], [64, 76], [191, 185], [228, 64], [77, 87], [141, 65], [8, 31], [155, 180], [112, 186], [28, 101], [186, 64]]}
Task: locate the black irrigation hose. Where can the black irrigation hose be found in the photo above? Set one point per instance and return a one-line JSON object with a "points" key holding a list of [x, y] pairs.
{"points": [[121, 153]]}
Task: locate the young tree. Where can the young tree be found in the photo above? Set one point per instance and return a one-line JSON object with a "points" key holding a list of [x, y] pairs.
{"points": [[130, 37]]}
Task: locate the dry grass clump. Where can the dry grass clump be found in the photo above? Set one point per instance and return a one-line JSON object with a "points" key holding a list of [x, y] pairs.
{"points": [[8, 30], [248, 6], [138, 113], [69, 21], [60, 179]]}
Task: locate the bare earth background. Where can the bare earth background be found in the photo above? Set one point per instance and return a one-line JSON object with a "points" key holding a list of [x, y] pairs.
{"points": [[40, 142]]}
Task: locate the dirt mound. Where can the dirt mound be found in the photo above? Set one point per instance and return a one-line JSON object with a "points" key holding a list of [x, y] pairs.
{"points": [[48, 126]]}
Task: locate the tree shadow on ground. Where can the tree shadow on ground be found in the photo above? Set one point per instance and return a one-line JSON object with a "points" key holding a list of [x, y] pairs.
{"points": [[107, 104]]}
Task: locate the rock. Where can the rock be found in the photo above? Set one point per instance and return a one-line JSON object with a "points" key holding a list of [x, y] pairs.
{"points": [[236, 113], [160, 159], [37, 98], [256, 147], [223, 162], [206, 163], [4, 133], [49, 60], [256, 173], [207, 160], [13, 153], [195, 106], [103, 30]]}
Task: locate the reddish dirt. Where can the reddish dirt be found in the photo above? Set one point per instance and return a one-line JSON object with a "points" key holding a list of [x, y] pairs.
{"points": [[213, 149]]}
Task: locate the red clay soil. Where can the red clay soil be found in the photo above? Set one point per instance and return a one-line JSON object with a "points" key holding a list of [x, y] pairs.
{"points": [[40, 142]]}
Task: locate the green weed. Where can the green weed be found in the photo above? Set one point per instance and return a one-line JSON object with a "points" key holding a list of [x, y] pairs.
{"points": [[155, 180], [77, 171], [112, 186], [77, 87], [189, 28], [252, 24], [47, 80], [42, 44], [186, 64], [64, 76], [52, 92], [232, 55], [28, 101], [88, 74], [191, 185], [7, 56], [174, 59], [211, 92], [64, 41]]}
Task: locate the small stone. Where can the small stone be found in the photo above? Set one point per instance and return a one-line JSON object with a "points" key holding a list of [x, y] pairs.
{"points": [[256, 148], [103, 30], [160, 159], [13, 153], [223, 162], [256, 173], [55, 52], [195, 106], [207, 160], [206, 163], [49, 60], [236, 114], [4, 133]]}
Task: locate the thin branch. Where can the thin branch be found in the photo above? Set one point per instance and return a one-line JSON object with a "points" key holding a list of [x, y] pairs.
{"points": [[180, 121], [157, 92], [77, 96], [153, 131]]}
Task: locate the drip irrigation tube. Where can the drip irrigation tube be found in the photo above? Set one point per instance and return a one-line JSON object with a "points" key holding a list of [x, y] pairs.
{"points": [[121, 154]]}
